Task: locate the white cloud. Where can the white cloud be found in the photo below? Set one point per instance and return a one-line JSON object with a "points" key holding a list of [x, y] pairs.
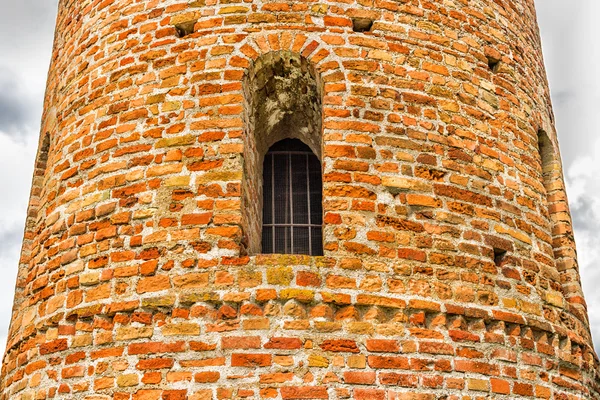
{"points": [[583, 187], [16, 164], [572, 53], [26, 29]]}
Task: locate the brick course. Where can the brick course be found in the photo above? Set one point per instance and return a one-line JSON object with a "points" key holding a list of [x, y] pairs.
{"points": [[449, 269]]}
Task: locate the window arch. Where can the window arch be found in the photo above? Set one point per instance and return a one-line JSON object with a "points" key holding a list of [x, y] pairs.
{"points": [[40, 175], [42, 159], [292, 200], [546, 152], [282, 101]]}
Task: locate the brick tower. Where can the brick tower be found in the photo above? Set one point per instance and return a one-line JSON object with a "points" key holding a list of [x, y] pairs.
{"points": [[398, 156]]}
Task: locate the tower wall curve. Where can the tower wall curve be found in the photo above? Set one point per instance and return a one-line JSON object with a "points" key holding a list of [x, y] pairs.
{"points": [[449, 267]]}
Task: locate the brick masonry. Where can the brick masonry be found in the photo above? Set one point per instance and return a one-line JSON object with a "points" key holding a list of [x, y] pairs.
{"points": [[449, 271]]}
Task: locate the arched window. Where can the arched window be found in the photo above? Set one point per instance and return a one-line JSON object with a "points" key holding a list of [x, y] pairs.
{"points": [[546, 151], [282, 113], [292, 200], [42, 159]]}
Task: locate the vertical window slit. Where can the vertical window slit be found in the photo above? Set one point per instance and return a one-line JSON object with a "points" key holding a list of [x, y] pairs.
{"points": [[493, 64], [42, 161], [289, 158], [308, 202], [499, 256], [546, 151]]}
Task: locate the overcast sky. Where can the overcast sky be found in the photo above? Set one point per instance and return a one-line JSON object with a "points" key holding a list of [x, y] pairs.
{"points": [[572, 54]]}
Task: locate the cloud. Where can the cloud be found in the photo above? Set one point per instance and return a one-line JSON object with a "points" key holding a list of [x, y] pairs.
{"points": [[8, 268], [28, 25], [26, 32], [563, 98], [10, 239], [583, 187], [16, 163], [572, 53], [13, 104]]}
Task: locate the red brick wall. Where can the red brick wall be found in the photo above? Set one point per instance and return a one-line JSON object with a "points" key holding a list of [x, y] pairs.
{"points": [[133, 283]]}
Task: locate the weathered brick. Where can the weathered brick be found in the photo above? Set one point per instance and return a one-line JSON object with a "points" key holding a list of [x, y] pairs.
{"points": [[250, 360]]}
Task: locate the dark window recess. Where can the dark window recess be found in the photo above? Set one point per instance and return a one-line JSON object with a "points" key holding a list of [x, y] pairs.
{"points": [[292, 200], [493, 64], [42, 161], [546, 151], [499, 256], [185, 28], [362, 24]]}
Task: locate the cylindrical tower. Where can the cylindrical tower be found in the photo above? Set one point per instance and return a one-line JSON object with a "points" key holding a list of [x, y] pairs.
{"points": [[440, 261]]}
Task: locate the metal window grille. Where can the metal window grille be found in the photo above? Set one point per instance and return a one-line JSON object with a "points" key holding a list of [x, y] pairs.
{"points": [[292, 200]]}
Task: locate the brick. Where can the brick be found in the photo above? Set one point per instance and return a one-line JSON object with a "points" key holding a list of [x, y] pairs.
{"points": [[237, 342], [207, 377], [284, 343], [304, 392], [359, 378], [500, 386], [53, 346], [155, 363], [250, 360], [153, 284], [395, 379], [382, 345], [523, 389], [369, 394], [381, 362], [339, 345]]}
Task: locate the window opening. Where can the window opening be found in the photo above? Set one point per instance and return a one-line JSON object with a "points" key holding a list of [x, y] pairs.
{"points": [[362, 24], [493, 64], [282, 99], [499, 256], [185, 28], [292, 200], [546, 151], [42, 160]]}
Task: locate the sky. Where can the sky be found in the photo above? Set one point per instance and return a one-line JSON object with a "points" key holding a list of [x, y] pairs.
{"points": [[571, 53]]}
